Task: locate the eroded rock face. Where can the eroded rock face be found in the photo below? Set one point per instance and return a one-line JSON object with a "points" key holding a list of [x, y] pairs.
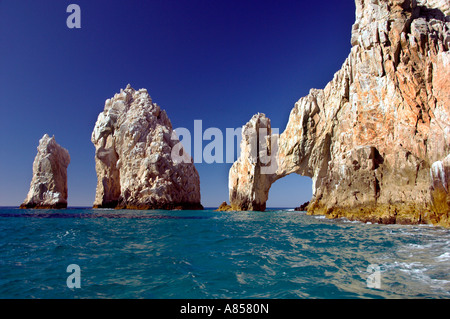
{"points": [[134, 141], [370, 137], [440, 191], [248, 183], [48, 187]]}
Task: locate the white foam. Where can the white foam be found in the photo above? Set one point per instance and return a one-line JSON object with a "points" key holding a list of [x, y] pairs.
{"points": [[444, 256], [345, 220]]}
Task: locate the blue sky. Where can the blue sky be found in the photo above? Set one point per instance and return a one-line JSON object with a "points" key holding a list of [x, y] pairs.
{"points": [[218, 61]]}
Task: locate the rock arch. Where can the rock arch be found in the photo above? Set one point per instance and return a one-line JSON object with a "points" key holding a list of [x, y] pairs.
{"points": [[370, 137], [291, 191], [264, 159]]}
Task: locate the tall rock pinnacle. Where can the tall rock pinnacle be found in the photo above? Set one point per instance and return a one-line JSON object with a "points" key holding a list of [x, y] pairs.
{"points": [[48, 187], [134, 140]]}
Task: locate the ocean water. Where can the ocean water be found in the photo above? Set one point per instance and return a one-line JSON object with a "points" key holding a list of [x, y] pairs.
{"points": [[207, 254]]}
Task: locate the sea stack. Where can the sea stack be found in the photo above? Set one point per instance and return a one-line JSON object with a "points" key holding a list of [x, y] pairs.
{"points": [[376, 140], [48, 187], [134, 146]]}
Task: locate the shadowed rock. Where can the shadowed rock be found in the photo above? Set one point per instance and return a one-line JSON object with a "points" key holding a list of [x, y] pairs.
{"points": [[303, 207]]}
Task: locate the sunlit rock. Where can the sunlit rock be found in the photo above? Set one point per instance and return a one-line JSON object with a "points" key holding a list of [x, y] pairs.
{"points": [[48, 187], [134, 140], [370, 137]]}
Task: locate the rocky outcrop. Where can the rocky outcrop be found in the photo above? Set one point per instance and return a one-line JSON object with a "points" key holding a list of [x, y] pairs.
{"points": [[224, 207], [303, 207], [48, 187], [134, 147], [369, 139]]}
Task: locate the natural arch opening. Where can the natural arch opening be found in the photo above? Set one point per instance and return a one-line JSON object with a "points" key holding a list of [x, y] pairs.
{"points": [[289, 192]]}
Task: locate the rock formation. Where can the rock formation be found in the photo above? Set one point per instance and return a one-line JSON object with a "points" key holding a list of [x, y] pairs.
{"points": [[303, 207], [440, 189], [48, 187], [134, 142], [249, 187], [370, 138], [224, 207]]}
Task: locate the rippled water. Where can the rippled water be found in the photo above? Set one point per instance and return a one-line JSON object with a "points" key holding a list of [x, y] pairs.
{"points": [[206, 254]]}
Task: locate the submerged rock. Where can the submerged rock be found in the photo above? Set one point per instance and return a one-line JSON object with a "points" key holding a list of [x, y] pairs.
{"points": [[48, 187], [369, 139], [134, 142]]}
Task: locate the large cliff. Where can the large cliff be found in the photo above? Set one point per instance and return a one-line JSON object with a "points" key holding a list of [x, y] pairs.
{"points": [[134, 141], [48, 187], [376, 139]]}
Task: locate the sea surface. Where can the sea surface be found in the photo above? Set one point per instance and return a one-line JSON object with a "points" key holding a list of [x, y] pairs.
{"points": [[207, 254]]}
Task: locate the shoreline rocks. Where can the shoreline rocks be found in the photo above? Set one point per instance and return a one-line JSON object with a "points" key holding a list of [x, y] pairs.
{"points": [[134, 142], [224, 207], [302, 208], [48, 187]]}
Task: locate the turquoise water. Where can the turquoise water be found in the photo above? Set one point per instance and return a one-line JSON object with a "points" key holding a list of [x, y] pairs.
{"points": [[207, 254]]}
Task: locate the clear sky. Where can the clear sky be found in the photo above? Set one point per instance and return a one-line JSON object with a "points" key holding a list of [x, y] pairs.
{"points": [[213, 60]]}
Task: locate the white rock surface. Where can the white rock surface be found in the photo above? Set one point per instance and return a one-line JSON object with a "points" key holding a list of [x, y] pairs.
{"points": [[48, 187], [134, 139]]}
